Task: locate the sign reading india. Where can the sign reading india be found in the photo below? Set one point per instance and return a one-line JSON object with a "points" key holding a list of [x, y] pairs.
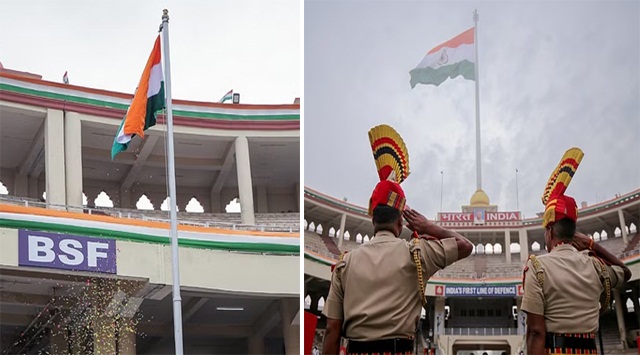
{"points": [[69, 252], [488, 216], [480, 291]]}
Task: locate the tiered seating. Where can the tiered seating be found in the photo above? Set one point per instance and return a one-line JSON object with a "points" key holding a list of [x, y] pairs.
{"points": [[464, 268], [615, 245], [331, 245], [634, 240], [610, 333], [349, 245], [314, 242]]}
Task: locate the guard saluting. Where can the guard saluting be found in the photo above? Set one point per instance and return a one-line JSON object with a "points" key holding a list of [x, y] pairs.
{"points": [[565, 289], [377, 290]]}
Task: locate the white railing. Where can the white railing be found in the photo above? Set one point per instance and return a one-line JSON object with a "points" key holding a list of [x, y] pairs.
{"points": [[140, 215]]}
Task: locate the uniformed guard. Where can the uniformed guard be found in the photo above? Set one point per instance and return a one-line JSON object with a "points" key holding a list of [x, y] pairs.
{"points": [[377, 290], [565, 289]]}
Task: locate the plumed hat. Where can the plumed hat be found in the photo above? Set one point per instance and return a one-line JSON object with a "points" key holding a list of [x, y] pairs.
{"points": [[557, 204]]}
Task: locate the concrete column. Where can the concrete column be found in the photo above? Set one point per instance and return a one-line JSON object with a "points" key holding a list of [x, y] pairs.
{"points": [[524, 245], [623, 227], [216, 205], [438, 317], [21, 185], [245, 186], [507, 245], [125, 198], [343, 222], [73, 158], [54, 158], [59, 338], [263, 202], [256, 345], [126, 336], [291, 332], [104, 335], [79, 338], [620, 318], [33, 188]]}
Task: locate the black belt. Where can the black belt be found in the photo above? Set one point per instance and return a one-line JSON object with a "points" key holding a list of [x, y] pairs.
{"points": [[388, 345], [554, 340]]}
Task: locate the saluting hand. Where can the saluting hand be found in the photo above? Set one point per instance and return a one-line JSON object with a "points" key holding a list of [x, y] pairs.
{"points": [[581, 241], [417, 222]]}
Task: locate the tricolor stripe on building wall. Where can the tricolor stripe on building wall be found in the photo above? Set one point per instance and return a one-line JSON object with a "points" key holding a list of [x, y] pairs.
{"points": [[448, 60], [148, 99]]}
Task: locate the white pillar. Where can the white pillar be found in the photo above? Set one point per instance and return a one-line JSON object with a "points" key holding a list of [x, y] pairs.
{"points": [[507, 245], [623, 227], [343, 221], [245, 186], [73, 158], [524, 245], [54, 157], [522, 317], [291, 332], [620, 318], [438, 317]]}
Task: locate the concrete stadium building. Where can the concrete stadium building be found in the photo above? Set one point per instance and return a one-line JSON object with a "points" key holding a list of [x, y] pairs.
{"points": [[81, 279], [474, 304]]}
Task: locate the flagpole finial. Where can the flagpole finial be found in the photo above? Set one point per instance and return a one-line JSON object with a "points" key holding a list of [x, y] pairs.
{"points": [[476, 17], [165, 15]]}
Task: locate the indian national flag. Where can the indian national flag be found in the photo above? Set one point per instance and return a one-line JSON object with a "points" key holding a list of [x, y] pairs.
{"points": [[148, 99], [448, 60], [227, 96]]}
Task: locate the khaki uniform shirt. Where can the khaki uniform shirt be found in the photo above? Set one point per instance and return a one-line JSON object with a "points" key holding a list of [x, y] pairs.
{"points": [[375, 291], [569, 298]]}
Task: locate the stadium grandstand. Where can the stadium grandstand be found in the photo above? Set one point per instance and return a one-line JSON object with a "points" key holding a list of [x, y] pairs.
{"points": [[474, 304], [83, 270]]}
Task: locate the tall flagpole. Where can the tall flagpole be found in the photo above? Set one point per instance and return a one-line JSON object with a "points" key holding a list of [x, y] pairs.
{"points": [[177, 301], [517, 193], [441, 187], [478, 164]]}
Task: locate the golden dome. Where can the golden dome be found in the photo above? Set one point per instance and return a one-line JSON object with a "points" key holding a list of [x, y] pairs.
{"points": [[479, 198]]}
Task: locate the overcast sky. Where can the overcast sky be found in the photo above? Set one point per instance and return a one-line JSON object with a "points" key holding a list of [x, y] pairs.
{"points": [[252, 47], [552, 76]]}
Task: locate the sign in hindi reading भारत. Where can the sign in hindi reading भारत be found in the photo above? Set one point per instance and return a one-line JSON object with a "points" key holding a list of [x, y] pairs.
{"points": [[480, 291], [64, 251], [488, 216]]}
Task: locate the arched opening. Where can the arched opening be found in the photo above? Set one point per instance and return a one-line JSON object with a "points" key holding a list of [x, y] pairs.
{"points": [[332, 232], [604, 235], [535, 246], [194, 206], [165, 205], [514, 248], [44, 196], [488, 248], [617, 232], [366, 238], [358, 238], [321, 304], [143, 203], [497, 248], [307, 302], [596, 236], [103, 200], [3, 189], [473, 250], [480, 249], [632, 228], [233, 206], [347, 236], [84, 199], [319, 229], [630, 307], [312, 227], [306, 225]]}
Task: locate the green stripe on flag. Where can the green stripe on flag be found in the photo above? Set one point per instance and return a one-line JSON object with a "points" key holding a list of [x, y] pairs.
{"points": [[437, 76]]}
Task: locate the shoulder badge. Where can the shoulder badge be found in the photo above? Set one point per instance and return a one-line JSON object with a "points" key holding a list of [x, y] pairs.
{"points": [[537, 269]]}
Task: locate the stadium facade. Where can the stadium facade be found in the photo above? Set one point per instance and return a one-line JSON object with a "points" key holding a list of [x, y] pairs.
{"points": [[80, 279], [474, 304]]}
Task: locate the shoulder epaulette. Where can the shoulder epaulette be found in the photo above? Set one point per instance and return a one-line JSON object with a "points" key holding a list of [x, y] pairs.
{"points": [[606, 278], [537, 269]]}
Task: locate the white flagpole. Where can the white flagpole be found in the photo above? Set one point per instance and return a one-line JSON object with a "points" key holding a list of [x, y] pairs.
{"points": [[478, 163], [177, 301]]}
